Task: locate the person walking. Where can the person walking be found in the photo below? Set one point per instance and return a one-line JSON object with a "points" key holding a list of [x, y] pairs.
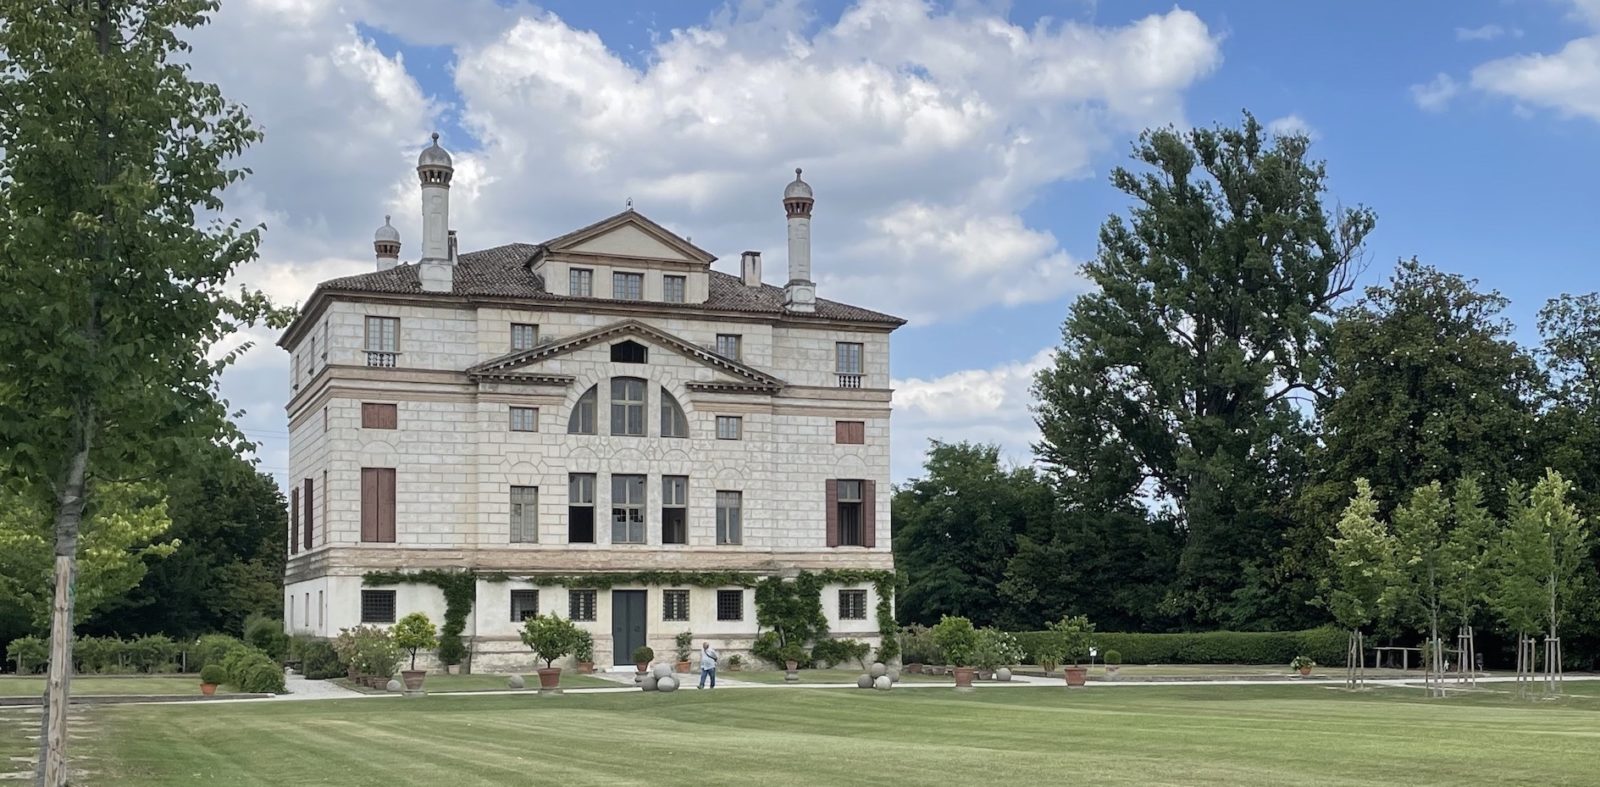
{"points": [[708, 665]]}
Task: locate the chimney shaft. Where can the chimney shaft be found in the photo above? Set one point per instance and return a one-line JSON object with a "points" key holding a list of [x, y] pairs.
{"points": [[750, 268]]}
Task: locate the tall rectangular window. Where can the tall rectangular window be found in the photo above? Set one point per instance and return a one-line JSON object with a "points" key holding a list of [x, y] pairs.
{"points": [[524, 515], [524, 419], [524, 605], [850, 432], [848, 363], [524, 336], [852, 605], [306, 500], [851, 533], [728, 345], [580, 282], [294, 520], [674, 509], [382, 341], [580, 508], [377, 504], [627, 509], [674, 605], [627, 286], [583, 413], [730, 605], [581, 605], [672, 288], [627, 406], [730, 427], [377, 606], [730, 517], [379, 416], [311, 368]]}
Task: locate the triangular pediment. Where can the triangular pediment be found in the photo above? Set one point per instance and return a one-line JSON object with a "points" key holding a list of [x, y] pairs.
{"points": [[525, 365], [629, 234]]}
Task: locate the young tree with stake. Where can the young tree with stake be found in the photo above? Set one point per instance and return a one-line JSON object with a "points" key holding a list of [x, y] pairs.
{"points": [[1466, 584], [1423, 561], [1362, 562]]}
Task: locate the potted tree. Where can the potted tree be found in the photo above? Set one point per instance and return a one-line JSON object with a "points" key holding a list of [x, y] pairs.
{"points": [[415, 632], [735, 662], [1113, 663], [642, 656], [792, 655], [1074, 633], [683, 642], [995, 653], [584, 652], [958, 640], [211, 675], [551, 637], [1303, 664]]}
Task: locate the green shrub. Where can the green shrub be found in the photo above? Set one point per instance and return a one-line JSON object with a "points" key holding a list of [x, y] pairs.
{"points": [[30, 654], [152, 653], [584, 652], [995, 649], [266, 635], [683, 643], [415, 632], [318, 661], [211, 649], [550, 637], [832, 652], [1112, 658], [1325, 645], [643, 654], [1076, 636], [213, 674], [917, 646], [263, 676], [957, 639], [100, 655]]}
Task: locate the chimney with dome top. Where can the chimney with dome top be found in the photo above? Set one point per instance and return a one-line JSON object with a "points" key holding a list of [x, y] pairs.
{"points": [[437, 267], [386, 243], [800, 294]]}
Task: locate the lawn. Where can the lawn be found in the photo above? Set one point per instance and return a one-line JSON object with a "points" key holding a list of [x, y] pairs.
{"points": [[1155, 735], [495, 682], [100, 685], [818, 676]]}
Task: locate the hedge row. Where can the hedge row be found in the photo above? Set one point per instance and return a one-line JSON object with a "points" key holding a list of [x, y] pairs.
{"points": [[1323, 645], [100, 655]]}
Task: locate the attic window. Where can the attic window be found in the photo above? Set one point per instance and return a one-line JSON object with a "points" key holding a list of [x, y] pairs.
{"points": [[629, 352]]}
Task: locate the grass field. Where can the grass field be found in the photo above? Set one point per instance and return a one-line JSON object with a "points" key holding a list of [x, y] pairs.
{"points": [[493, 682], [91, 685], [1148, 735], [817, 676]]}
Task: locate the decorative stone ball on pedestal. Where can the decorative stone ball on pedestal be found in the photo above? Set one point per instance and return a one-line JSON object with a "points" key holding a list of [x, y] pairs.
{"points": [[1002, 674], [516, 682], [864, 682], [648, 682], [791, 676], [882, 683], [893, 674], [668, 683], [878, 670], [662, 670], [395, 685]]}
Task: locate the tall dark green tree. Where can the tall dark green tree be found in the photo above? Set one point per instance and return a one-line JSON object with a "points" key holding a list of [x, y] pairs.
{"points": [[113, 271], [1176, 382]]}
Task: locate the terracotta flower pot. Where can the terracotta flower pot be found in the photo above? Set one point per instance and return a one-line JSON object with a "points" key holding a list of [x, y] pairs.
{"points": [[549, 677], [642, 666], [413, 678], [964, 676], [1305, 671], [585, 667], [683, 666], [1077, 676], [208, 689], [792, 665]]}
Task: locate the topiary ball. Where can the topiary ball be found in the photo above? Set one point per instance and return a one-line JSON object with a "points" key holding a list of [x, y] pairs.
{"points": [[662, 670], [649, 682], [864, 682], [516, 682], [1002, 674], [893, 675], [668, 683], [882, 683], [878, 670], [395, 685]]}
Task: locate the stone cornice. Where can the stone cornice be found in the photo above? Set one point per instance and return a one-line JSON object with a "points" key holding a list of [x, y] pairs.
{"points": [[751, 379]]}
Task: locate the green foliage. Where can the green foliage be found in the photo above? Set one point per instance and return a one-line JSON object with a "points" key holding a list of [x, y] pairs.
{"points": [[1326, 645], [584, 650], [1474, 529], [212, 649], [460, 590], [1112, 658], [792, 652], [684, 642], [607, 580], [550, 636], [414, 632], [1076, 635], [266, 634], [213, 674], [99, 655], [369, 650], [643, 654], [253, 670], [792, 610], [319, 661], [29, 654], [1302, 662], [152, 653], [832, 652], [1362, 558], [1541, 559], [956, 639], [918, 647], [995, 649]]}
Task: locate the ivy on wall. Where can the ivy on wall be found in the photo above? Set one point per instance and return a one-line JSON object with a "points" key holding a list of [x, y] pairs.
{"points": [[460, 590], [608, 580]]}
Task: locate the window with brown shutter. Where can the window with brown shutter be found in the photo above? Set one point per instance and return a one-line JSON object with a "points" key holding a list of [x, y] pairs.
{"points": [[306, 501], [831, 511], [294, 521], [379, 416], [869, 514], [850, 432], [377, 504]]}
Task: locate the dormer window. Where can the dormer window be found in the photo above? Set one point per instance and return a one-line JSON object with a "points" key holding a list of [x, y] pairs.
{"points": [[627, 286]]}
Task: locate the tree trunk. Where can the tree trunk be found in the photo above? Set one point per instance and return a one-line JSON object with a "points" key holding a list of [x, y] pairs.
{"points": [[52, 767]]}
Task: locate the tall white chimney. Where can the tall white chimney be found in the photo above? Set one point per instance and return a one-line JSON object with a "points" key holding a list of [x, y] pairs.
{"points": [[434, 170], [750, 268], [386, 243], [800, 294]]}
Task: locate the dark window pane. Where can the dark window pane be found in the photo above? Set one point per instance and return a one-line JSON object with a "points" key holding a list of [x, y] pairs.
{"points": [[377, 606]]}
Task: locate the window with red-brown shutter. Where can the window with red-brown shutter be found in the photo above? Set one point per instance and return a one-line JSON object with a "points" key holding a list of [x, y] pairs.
{"points": [[379, 416], [294, 521], [377, 504], [850, 432], [869, 514], [831, 506], [306, 500]]}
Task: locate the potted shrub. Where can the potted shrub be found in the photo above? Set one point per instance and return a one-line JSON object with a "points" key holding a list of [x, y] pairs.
{"points": [[1113, 663], [792, 654], [995, 649], [211, 675], [551, 637], [376, 655], [958, 640], [584, 652], [1303, 664], [735, 662], [683, 642], [642, 656], [415, 632], [1074, 634]]}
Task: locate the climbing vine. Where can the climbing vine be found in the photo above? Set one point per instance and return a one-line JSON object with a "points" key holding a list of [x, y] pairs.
{"points": [[883, 583], [460, 590], [607, 580]]}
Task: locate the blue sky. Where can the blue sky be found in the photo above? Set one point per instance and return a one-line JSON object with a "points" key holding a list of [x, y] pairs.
{"points": [[1472, 128]]}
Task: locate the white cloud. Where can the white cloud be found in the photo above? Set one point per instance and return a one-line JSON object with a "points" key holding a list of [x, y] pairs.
{"points": [[1486, 33], [1566, 81], [1292, 124], [980, 405], [1436, 94]]}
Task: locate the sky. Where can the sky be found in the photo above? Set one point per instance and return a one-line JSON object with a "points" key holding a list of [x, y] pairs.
{"points": [[959, 150]]}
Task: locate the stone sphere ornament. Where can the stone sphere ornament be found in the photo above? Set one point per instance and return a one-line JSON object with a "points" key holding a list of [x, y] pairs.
{"points": [[882, 683], [864, 682], [668, 683], [395, 685], [648, 682], [516, 682], [662, 670], [878, 670], [893, 674], [1002, 674]]}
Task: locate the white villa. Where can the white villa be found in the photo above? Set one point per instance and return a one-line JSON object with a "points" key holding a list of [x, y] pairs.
{"points": [[601, 404]]}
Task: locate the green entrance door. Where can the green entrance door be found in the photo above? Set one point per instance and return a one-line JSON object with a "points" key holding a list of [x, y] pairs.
{"points": [[627, 623]]}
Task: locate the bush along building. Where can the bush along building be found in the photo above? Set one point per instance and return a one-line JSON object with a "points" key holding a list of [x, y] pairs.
{"points": [[599, 426]]}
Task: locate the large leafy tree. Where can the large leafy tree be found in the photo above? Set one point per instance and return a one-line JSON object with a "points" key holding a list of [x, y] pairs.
{"points": [[1176, 380], [113, 268]]}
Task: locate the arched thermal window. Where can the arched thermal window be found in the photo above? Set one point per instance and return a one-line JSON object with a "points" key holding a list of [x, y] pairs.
{"points": [[673, 422], [627, 406], [583, 413]]}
